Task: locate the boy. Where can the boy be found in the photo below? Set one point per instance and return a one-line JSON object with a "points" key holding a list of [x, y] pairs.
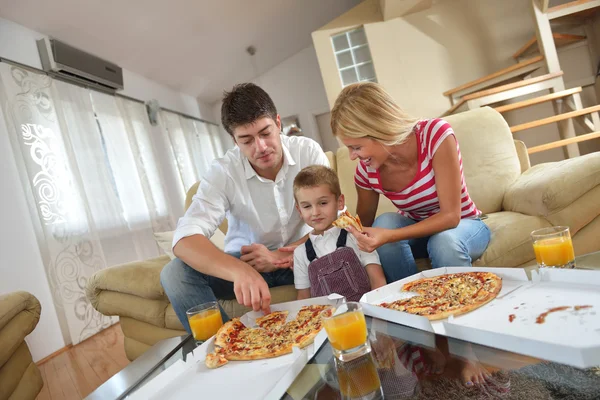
{"points": [[318, 199]]}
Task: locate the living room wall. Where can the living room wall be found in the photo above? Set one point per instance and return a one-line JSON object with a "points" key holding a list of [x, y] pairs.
{"points": [[296, 87], [421, 55], [21, 266]]}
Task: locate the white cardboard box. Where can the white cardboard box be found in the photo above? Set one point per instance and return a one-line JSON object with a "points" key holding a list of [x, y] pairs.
{"points": [[258, 379], [570, 337]]}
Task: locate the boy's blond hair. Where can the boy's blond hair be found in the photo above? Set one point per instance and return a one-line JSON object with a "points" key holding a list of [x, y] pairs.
{"points": [[366, 110], [316, 175]]}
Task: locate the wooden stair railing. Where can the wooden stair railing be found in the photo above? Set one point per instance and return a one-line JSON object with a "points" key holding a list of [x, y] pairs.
{"points": [[538, 100], [572, 7], [504, 71], [560, 40], [513, 85], [564, 142], [555, 118]]}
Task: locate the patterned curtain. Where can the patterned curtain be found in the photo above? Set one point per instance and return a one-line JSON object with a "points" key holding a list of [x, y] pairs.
{"points": [[88, 169]]}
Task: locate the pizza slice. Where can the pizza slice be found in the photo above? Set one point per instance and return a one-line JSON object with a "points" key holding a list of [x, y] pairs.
{"points": [[273, 321], [215, 360], [346, 219]]}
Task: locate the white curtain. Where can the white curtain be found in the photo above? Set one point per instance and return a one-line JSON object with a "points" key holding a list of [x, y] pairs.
{"points": [[94, 186], [195, 144]]}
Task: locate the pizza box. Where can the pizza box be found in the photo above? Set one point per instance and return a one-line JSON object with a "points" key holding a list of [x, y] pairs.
{"points": [[566, 336], [257, 379], [512, 280]]}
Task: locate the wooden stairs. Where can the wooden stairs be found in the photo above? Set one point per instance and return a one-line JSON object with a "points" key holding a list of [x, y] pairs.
{"points": [[516, 81]]}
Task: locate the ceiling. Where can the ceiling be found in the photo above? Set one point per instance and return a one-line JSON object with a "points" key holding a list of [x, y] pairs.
{"points": [[193, 46]]}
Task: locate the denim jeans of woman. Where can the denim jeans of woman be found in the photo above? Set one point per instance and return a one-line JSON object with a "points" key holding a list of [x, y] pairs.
{"points": [[456, 247]]}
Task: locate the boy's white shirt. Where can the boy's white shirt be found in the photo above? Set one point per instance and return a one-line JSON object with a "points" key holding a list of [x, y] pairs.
{"points": [[323, 245]]}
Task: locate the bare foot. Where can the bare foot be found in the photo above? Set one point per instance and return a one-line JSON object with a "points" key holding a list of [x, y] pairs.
{"points": [[437, 361], [472, 372]]}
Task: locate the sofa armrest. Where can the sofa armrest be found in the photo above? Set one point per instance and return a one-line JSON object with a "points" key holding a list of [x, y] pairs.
{"points": [[139, 278], [547, 188], [19, 315]]}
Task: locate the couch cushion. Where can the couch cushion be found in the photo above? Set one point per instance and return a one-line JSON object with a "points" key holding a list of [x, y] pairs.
{"points": [[490, 159], [345, 171], [510, 245], [19, 315], [20, 377]]}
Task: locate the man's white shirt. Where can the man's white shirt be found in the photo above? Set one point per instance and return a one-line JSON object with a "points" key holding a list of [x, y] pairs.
{"points": [[258, 210]]}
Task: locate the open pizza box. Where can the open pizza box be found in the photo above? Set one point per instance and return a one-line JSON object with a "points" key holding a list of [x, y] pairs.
{"points": [[257, 379], [568, 336]]}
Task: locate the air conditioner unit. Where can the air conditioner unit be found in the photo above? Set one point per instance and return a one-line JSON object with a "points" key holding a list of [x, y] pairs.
{"points": [[76, 65]]}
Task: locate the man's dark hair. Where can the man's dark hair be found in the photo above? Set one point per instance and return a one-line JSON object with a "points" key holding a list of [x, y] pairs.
{"points": [[245, 104]]}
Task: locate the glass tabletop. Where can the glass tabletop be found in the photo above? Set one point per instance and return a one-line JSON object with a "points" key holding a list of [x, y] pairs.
{"points": [[404, 363]]}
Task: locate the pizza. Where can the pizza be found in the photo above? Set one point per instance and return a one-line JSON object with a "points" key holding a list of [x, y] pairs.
{"points": [[346, 219], [273, 337], [272, 321], [450, 294]]}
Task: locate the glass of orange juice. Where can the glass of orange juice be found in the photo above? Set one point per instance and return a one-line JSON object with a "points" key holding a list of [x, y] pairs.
{"points": [[347, 331], [359, 379], [553, 247], [205, 320]]}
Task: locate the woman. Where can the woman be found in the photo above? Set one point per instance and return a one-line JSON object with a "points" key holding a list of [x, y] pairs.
{"points": [[418, 166]]}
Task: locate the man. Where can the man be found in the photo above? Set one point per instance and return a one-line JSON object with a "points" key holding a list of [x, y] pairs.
{"points": [[252, 185]]}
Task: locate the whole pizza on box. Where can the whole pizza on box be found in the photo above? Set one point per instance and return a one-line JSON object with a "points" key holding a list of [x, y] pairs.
{"points": [[441, 296], [273, 337]]}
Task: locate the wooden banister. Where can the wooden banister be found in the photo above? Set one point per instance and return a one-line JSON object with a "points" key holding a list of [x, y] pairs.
{"points": [[555, 118], [571, 8], [564, 142], [537, 100], [560, 40], [514, 85], [494, 75]]}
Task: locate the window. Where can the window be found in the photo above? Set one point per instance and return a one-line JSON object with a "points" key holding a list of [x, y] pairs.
{"points": [[353, 57]]}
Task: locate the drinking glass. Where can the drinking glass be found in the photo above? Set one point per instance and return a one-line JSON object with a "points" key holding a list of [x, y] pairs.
{"points": [[347, 331], [553, 247], [205, 320]]}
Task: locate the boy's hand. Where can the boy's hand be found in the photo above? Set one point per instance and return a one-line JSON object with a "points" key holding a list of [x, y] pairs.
{"points": [[287, 257], [264, 260]]}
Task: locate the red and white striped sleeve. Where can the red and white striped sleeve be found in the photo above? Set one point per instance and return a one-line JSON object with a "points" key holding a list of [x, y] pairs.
{"points": [[361, 177], [436, 131]]}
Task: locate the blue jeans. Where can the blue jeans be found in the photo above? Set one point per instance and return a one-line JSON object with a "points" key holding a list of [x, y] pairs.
{"points": [[185, 287], [456, 247]]}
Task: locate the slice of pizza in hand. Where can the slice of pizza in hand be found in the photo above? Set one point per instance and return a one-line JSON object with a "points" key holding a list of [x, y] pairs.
{"points": [[346, 219]]}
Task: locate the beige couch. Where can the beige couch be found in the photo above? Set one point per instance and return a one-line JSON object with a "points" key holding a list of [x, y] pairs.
{"points": [[516, 197], [20, 378]]}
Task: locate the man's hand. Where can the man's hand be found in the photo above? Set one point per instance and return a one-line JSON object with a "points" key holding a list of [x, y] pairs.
{"points": [[264, 260], [370, 238], [251, 290]]}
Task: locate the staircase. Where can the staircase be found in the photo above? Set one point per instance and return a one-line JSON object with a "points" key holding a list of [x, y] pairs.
{"points": [[517, 81]]}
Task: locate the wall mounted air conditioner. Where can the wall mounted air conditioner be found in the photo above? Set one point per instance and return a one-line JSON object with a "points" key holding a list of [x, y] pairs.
{"points": [[76, 65]]}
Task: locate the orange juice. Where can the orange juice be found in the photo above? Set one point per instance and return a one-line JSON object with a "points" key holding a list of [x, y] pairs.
{"points": [[554, 252], [346, 331], [358, 380], [205, 324]]}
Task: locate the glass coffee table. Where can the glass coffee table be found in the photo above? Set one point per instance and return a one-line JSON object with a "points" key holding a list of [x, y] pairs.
{"points": [[405, 363]]}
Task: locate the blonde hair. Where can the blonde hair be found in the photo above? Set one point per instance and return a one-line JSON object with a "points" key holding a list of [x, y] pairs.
{"points": [[316, 175], [367, 110]]}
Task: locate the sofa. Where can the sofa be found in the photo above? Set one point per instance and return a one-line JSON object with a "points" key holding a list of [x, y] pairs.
{"points": [[20, 378], [515, 197]]}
